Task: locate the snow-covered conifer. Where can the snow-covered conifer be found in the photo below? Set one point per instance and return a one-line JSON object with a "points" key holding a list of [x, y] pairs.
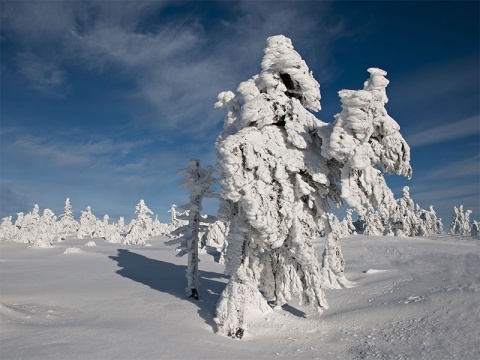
{"points": [[346, 226], [214, 236], [200, 183], [429, 223], [68, 224], [475, 230], [8, 230], [88, 222], [141, 227], [46, 230], [278, 167], [404, 219], [29, 226], [460, 225]]}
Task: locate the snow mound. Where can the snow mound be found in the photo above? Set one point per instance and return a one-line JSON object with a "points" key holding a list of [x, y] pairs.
{"points": [[72, 250], [91, 243]]}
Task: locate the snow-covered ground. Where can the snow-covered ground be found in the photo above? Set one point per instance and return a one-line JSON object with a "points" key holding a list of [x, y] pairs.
{"points": [[413, 298]]}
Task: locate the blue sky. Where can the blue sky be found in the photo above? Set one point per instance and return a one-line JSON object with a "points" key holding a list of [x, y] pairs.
{"points": [[103, 102]]}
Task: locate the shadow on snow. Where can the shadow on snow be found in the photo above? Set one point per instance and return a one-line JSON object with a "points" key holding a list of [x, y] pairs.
{"points": [[170, 278]]}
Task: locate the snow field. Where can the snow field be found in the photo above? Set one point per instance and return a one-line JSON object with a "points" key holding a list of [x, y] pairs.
{"points": [[412, 298]]}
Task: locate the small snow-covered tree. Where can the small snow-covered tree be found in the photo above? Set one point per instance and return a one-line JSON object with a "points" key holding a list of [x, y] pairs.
{"points": [[373, 223], [101, 227], [29, 226], [460, 225], [141, 227], [475, 229], [8, 231], [429, 223], [214, 237], [404, 219], [68, 224], [346, 226], [279, 165], [88, 222], [47, 229], [200, 183], [159, 228]]}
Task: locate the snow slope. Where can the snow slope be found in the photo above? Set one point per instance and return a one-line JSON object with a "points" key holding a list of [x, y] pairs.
{"points": [[413, 298]]}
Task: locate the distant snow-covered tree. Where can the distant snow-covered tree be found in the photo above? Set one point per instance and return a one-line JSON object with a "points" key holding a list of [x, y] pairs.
{"points": [[8, 231], [460, 225], [29, 226], [141, 227], [200, 183], [404, 218], [373, 223], [475, 229], [214, 237], [87, 225], [68, 224], [346, 226], [429, 224], [101, 227], [279, 165], [46, 230]]}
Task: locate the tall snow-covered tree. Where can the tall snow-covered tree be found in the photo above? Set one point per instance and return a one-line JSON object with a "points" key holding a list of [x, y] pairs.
{"points": [[279, 165], [200, 183], [141, 227]]}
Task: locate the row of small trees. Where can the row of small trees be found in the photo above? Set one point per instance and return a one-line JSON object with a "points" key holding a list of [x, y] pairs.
{"points": [[404, 218], [45, 229]]}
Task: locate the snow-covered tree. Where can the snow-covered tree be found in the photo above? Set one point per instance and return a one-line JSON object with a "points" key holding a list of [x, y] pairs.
{"points": [[68, 224], [346, 226], [404, 218], [460, 225], [373, 223], [46, 230], [28, 230], [475, 229], [88, 222], [141, 227], [429, 224], [214, 237], [200, 183], [101, 227], [279, 165], [8, 231]]}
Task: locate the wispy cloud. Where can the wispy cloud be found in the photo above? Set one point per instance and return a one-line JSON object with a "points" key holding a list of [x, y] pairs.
{"points": [[456, 130], [72, 154], [173, 66], [459, 169]]}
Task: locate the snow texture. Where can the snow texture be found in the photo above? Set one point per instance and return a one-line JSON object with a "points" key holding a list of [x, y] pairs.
{"points": [[414, 298]]}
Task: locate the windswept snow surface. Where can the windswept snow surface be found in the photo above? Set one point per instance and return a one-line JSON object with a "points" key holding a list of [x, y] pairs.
{"points": [[413, 298]]}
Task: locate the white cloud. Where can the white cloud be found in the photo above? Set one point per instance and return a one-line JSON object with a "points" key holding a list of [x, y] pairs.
{"points": [[452, 131]]}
